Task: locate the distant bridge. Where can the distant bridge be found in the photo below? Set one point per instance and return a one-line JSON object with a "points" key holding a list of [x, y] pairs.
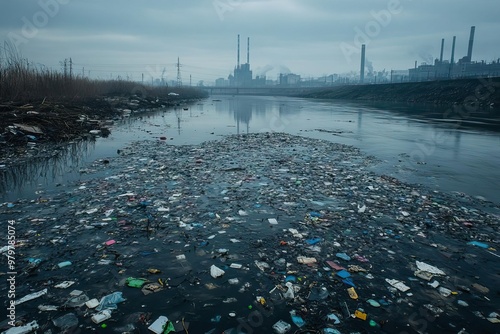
{"points": [[270, 91]]}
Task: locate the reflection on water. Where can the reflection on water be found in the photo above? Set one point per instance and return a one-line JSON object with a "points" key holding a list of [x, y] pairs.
{"points": [[414, 142], [45, 170]]}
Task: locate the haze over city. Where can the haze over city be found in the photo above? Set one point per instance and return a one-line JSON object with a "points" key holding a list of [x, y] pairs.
{"points": [[129, 39]]}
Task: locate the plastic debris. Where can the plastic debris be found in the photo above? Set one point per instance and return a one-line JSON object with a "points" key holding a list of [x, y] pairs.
{"points": [[343, 256], [335, 265], [272, 221], [444, 291], [289, 293], [478, 244], [101, 316], [216, 272], [76, 301], [360, 315], [31, 296], [318, 293], [434, 284], [161, 326], [64, 285], [330, 331], [136, 282], [343, 274], [430, 269], [423, 275], [157, 204], [352, 293], [333, 317], [110, 301], [398, 285], [306, 260], [66, 321], [296, 319], [48, 307], [64, 264], [28, 328], [373, 303], [281, 327], [92, 303], [312, 241], [494, 318]]}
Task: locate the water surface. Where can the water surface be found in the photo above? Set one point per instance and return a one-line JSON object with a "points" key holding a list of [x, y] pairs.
{"points": [[417, 144]]}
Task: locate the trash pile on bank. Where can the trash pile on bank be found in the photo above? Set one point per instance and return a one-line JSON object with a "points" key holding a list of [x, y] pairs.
{"points": [[257, 233], [26, 128]]}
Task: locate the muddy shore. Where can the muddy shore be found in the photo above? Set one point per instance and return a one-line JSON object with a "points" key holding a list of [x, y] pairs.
{"points": [[273, 211], [35, 130]]}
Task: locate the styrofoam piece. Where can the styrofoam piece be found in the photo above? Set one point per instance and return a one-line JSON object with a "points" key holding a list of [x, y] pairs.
{"points": [[430, 269], [92, 303], [216, 272], [101, 316]]}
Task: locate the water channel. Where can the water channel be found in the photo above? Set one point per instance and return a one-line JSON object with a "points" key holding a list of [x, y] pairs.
{"points": [[415, 144]]}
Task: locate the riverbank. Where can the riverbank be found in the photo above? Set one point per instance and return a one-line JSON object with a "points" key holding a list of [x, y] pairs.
{"points": [[30, 130], [475, 93], [293, 222]]}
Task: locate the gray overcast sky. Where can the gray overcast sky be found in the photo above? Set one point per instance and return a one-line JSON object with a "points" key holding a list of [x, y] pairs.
{"points": [[308, 37]]}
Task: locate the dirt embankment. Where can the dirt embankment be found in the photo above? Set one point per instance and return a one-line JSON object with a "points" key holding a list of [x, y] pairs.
{"points": [[24, 126], [481, 92]]}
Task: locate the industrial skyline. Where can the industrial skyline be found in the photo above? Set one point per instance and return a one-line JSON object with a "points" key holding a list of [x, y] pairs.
{"points": [[129, 39], [439, 69]]}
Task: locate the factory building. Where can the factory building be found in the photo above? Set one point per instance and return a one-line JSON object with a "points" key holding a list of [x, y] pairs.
{"points": [[449, 69], [242, 76]]}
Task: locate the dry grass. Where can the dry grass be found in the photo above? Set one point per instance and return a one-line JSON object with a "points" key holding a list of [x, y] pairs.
{"points": [[21, 82]]}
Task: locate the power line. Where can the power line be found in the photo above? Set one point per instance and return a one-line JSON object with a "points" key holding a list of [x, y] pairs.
{"points": [[179, 80]]}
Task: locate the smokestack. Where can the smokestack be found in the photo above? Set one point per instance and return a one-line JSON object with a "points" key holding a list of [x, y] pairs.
{"points": [[471, 43], [248, 50], [238, 62], [452, 61], [362, 73], [442, 49], [415, 64]]}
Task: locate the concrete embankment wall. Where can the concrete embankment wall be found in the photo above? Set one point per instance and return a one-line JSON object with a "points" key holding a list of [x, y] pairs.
{"points": [[485, 92]]}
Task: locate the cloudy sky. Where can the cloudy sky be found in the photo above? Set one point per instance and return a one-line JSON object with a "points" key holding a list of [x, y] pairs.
{"points": [[108, 38]]}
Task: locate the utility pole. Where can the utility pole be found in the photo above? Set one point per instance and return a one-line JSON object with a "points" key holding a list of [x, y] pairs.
{"points": [[179, 80], [190, 80], [65, 68], [70, 68]]}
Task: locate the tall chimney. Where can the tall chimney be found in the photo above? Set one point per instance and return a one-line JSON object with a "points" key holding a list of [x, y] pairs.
{"points": [[248, 50], [471, 43], [362, 72], [452, 61], [238, 62], [442, 49]]}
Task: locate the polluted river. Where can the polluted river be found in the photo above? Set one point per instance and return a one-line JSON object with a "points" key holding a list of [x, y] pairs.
{"points": [[241, 214]]}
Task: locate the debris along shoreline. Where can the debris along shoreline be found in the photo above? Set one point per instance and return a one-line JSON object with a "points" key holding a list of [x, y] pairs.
{"points": [[255, 233], [29, 130]]}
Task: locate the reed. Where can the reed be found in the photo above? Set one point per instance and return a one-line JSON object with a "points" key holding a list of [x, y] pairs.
{"points": [[24, 82]]}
